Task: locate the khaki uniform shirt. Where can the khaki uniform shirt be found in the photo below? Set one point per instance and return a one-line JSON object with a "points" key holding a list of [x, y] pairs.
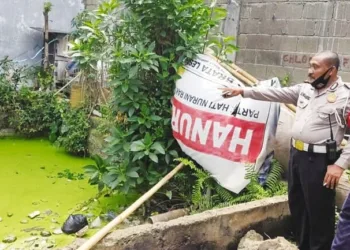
{"points": [[313, 109]]}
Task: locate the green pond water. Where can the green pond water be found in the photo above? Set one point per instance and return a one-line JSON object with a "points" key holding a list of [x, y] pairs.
{"points": [[29, 181]]}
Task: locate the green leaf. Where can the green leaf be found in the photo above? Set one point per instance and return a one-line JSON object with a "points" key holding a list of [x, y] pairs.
{"points": [[136, 105], [169, 194], [152, 46], [148, 139], [126, 146], [173, 153], [114, 184], [131, 112], [133, 71], [167, 158], [132, 174], [180, 48], [156, 118], [158, 147], [125, 88], [138, 156], [137, 146], [153, 157], [90, 169], [108, 178], [127, 60]]}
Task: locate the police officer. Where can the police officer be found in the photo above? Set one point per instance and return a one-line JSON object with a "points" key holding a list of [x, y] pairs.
{"points": [[316, 162]]}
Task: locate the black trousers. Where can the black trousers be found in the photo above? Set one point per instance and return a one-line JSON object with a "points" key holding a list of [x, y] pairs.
{"points": [[312, 205]]}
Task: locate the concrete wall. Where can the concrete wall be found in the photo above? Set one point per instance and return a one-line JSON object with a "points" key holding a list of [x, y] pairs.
{"points": [[230, 25], [211, 230], [17, 39], [91, 4], [278, 37]]}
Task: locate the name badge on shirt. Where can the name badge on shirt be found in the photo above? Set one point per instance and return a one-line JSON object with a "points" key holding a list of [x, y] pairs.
{"points": [[332, 97]]}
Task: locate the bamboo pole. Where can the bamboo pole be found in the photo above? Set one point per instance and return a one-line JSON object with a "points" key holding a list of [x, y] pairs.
{"points": [[106, 229]]}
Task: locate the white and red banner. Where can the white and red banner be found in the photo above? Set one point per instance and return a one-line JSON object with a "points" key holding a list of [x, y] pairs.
{"points": [[223, 135]]}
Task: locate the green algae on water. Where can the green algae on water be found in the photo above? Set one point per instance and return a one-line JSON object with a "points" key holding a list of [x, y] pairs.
{"points": [[29, 182]]}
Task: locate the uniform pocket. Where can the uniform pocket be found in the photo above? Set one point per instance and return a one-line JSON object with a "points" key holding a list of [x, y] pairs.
{"points": [[325, 111], [302, 102]]}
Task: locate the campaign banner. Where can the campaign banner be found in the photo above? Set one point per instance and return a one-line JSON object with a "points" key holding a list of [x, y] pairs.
{"points": [[223, 135]]}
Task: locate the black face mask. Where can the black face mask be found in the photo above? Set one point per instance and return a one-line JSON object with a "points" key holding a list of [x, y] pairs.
{"points": [[321, 82]]}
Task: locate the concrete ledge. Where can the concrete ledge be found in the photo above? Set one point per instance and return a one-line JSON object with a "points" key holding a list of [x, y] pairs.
{"points": [[210, 230]]}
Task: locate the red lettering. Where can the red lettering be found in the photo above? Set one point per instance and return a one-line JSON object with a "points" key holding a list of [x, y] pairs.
{"points": [[285, 58], [215, 134], [345, 61]]}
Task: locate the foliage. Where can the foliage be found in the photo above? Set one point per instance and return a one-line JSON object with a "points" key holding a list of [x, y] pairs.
{"points": [[207, 193], [47, 7], [33, 112], [145, 43], [73, 131], [97, 172], [45, 77], [67, 174], [285, 81]]}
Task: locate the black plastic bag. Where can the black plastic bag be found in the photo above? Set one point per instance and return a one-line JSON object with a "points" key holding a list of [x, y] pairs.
{"points": [[74, 223]]}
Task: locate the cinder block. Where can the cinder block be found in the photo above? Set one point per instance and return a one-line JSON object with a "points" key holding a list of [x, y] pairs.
{"points": [[318, 10], [284, 43], [246, 56], [327, 43], [299, 75], [278, 71], [273, 27], [341, 10], [249, 27], [300, 27], [223, 1], [259, 42], [345, 76], [245, 11], [92, 2], [256, 70], [343, 45], [339, 28], [307, 44], [242, 41], [268, 57], [324, 28], [263, 11], [289, 10]]}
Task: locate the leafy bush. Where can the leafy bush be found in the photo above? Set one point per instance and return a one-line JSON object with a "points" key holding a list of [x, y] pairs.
{"points": [[33, 112], [145, 44], [207, 193], [73, 131]]}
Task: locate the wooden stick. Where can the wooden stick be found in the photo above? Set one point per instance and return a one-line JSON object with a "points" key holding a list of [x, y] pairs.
{"points": [[244, 73], [106, 229]]}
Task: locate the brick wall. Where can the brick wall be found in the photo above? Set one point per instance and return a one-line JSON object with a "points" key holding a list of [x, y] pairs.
{"points": [[277, 37]]}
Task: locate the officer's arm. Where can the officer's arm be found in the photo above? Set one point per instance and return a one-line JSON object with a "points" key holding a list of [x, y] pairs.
{"points": [[344, 159], [284, 95]]}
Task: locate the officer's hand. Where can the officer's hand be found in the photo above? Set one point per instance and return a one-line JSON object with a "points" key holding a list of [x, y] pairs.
{"points": [[331, 180], [230, 92]]}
